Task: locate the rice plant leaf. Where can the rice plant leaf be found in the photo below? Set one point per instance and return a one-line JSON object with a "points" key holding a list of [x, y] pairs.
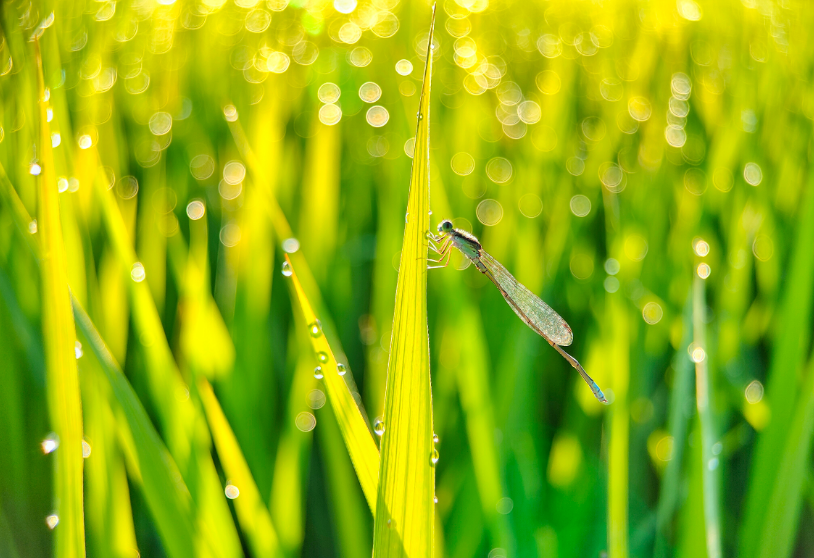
{"points": [[782, 387], [783, 514], [352, 425], [165, 492], [252, 513], [59, 336], [619, 426], [709, 435], [405, 512], [204, 338], [178, 416], [677, 426], [159, 478]]}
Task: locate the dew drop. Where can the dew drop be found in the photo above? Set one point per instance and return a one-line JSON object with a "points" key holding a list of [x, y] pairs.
{"points": [[434, 457], [52, 520], [753, 392], [78, 350], [435, 499], [50, 443], [318, 373], [378, 426], [291, 245], [86, 449], [315, 329], [322, 356], [287, 271], [137, 272], [231, 491], [435, 438], [341, 369]]}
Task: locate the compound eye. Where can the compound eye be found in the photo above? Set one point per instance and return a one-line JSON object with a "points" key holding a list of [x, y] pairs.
{"points": [[446, 226]]}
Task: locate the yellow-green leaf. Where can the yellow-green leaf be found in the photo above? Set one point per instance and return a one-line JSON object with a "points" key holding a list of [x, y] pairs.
{"points": [[405, 511], [152, 466], [252, 513], [352, 425], [59, 336], [175, 410]]}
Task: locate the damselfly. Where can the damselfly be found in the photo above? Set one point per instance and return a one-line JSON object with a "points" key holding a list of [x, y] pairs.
{"points": [[537, 314]]}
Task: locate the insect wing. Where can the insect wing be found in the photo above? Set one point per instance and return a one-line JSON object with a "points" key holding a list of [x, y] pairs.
{"points": [[528, 305]]}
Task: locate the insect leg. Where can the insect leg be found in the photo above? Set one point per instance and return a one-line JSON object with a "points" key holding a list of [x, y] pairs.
{"points": [[440, 250], [443, 260]]}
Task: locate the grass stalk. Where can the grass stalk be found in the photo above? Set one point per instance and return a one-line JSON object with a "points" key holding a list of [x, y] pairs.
{"points": [[709, 436], [405, 512], [59, 335]]}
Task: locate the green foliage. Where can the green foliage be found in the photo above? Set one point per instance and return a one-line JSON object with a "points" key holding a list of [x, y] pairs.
{"points": [[644, 167], [405, 511]]}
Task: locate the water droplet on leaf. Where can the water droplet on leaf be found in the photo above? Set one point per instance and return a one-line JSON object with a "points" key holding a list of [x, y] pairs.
{"points": [[434, 457]]}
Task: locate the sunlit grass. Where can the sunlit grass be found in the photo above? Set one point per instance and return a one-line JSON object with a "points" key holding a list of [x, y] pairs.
{"points": [[645, 168], [405, 510]]}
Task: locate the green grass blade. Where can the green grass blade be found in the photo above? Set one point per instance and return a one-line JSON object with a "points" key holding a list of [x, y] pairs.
{"points": [[619, 421], [405, 512], [164, 490], [252, 513], [291, 465], [108, 511], [703, 388], [782, 385], [677, 426], [788, 485], [352, 425], [349, 511], [178, 416], [59, 335], [167, 496]]}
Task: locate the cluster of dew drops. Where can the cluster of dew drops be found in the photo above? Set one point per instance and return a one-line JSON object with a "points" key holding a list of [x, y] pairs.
{"points": [[315, 330]]}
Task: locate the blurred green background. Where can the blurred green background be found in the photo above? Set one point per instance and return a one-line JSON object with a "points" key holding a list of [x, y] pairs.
{"points": [[643, 166]]}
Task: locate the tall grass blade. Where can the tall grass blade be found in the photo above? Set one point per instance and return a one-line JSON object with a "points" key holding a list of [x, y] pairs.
{"points": [[291, 464], [619, 420], [179, 418], [405, 512], [165, 492], [59, 336], [156, 472], [703, 388], [677, 426], [352, 425], [788, 485], [793, 334], [252, 513]]}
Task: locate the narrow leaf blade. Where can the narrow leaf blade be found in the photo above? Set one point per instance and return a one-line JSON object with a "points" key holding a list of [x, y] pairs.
{"points": [[164, 490], [59, 335], [352, 425], [252, 513], [405, 512]]}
